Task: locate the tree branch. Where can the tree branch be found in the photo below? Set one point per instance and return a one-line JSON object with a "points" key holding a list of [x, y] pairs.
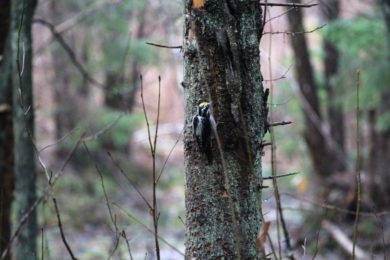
{"points": [[164, 46], [343, 240], [294, 5], [69, 51], [280, 123], [279, 176]]}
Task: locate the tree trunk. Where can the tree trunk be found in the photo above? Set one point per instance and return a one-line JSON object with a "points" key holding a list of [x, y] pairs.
{"points": [[23, 120], [6, 130], [319, 145], [66, 106], [330, 11], [118, 93], [380, 143], [222, 65]]}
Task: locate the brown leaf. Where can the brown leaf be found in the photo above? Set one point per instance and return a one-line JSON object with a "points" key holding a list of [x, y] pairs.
{"points": [[262, 237]]}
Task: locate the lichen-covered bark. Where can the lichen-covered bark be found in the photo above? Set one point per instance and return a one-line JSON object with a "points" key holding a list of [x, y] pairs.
{"points": [[222, 65], [23, 120]]}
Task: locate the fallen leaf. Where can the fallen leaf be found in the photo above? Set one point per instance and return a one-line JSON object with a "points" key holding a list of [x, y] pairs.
{"points": [[262, 237]]}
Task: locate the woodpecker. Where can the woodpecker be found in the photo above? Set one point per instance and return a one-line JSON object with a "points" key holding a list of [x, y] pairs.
{"points": [[203, 126]]}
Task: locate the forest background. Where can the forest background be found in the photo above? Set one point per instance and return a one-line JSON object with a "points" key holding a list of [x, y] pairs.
{"points": [[90, 126]]}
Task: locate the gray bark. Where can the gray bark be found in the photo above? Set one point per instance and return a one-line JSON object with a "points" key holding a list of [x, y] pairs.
{"points": [[66, 113], [6, 130], [222, 65], [118, 93], [320, 150], [380, 138], [23, 120], [330, 11]]}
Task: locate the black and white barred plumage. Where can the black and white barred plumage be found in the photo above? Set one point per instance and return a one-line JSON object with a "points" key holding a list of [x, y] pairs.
{"points": [[203, 125]]}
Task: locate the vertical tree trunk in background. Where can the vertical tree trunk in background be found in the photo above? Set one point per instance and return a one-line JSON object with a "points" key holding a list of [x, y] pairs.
{"points": [[65, 115], [6, 129], [135, 65], [317, 143], [330, 11], [222, 64], [23, 120], [118, 93], [380, 164]]}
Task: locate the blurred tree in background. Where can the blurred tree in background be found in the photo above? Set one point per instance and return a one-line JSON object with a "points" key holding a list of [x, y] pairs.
{"points": [[368, 54], [6, 128], [328, 101], [17, 161], [22, 13], [323, 146]]}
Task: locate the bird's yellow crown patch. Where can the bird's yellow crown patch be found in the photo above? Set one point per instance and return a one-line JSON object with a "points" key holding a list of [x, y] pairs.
{"points": [[203, 104]]}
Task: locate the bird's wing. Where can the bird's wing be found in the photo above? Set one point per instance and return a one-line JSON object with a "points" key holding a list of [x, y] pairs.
{"points": [[195, 121]]}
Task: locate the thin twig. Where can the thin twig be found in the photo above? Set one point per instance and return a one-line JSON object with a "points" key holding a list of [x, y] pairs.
{"points": [[18, 62], [316, 247], [264, 17], [279, 15], [62, 230], [164, 46], [123, 234], [70, 52], [42, 253], [130, 181], [290, 254], [343, 240], [103, 130], [273, 165], [147, 228], [293, 5], [112, 216], [74, 20], [47, 193], [334, 208], [280, 123], [358, 180], [271, 243], [169, 155], [280, 176], [294, 33], [153, 147], [181, 220], [266, 144], [58, 141], [23, 221], [283, 76]]}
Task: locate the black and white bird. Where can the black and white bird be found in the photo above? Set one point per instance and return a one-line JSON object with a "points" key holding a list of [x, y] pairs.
{"points": [[203, 126]]}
